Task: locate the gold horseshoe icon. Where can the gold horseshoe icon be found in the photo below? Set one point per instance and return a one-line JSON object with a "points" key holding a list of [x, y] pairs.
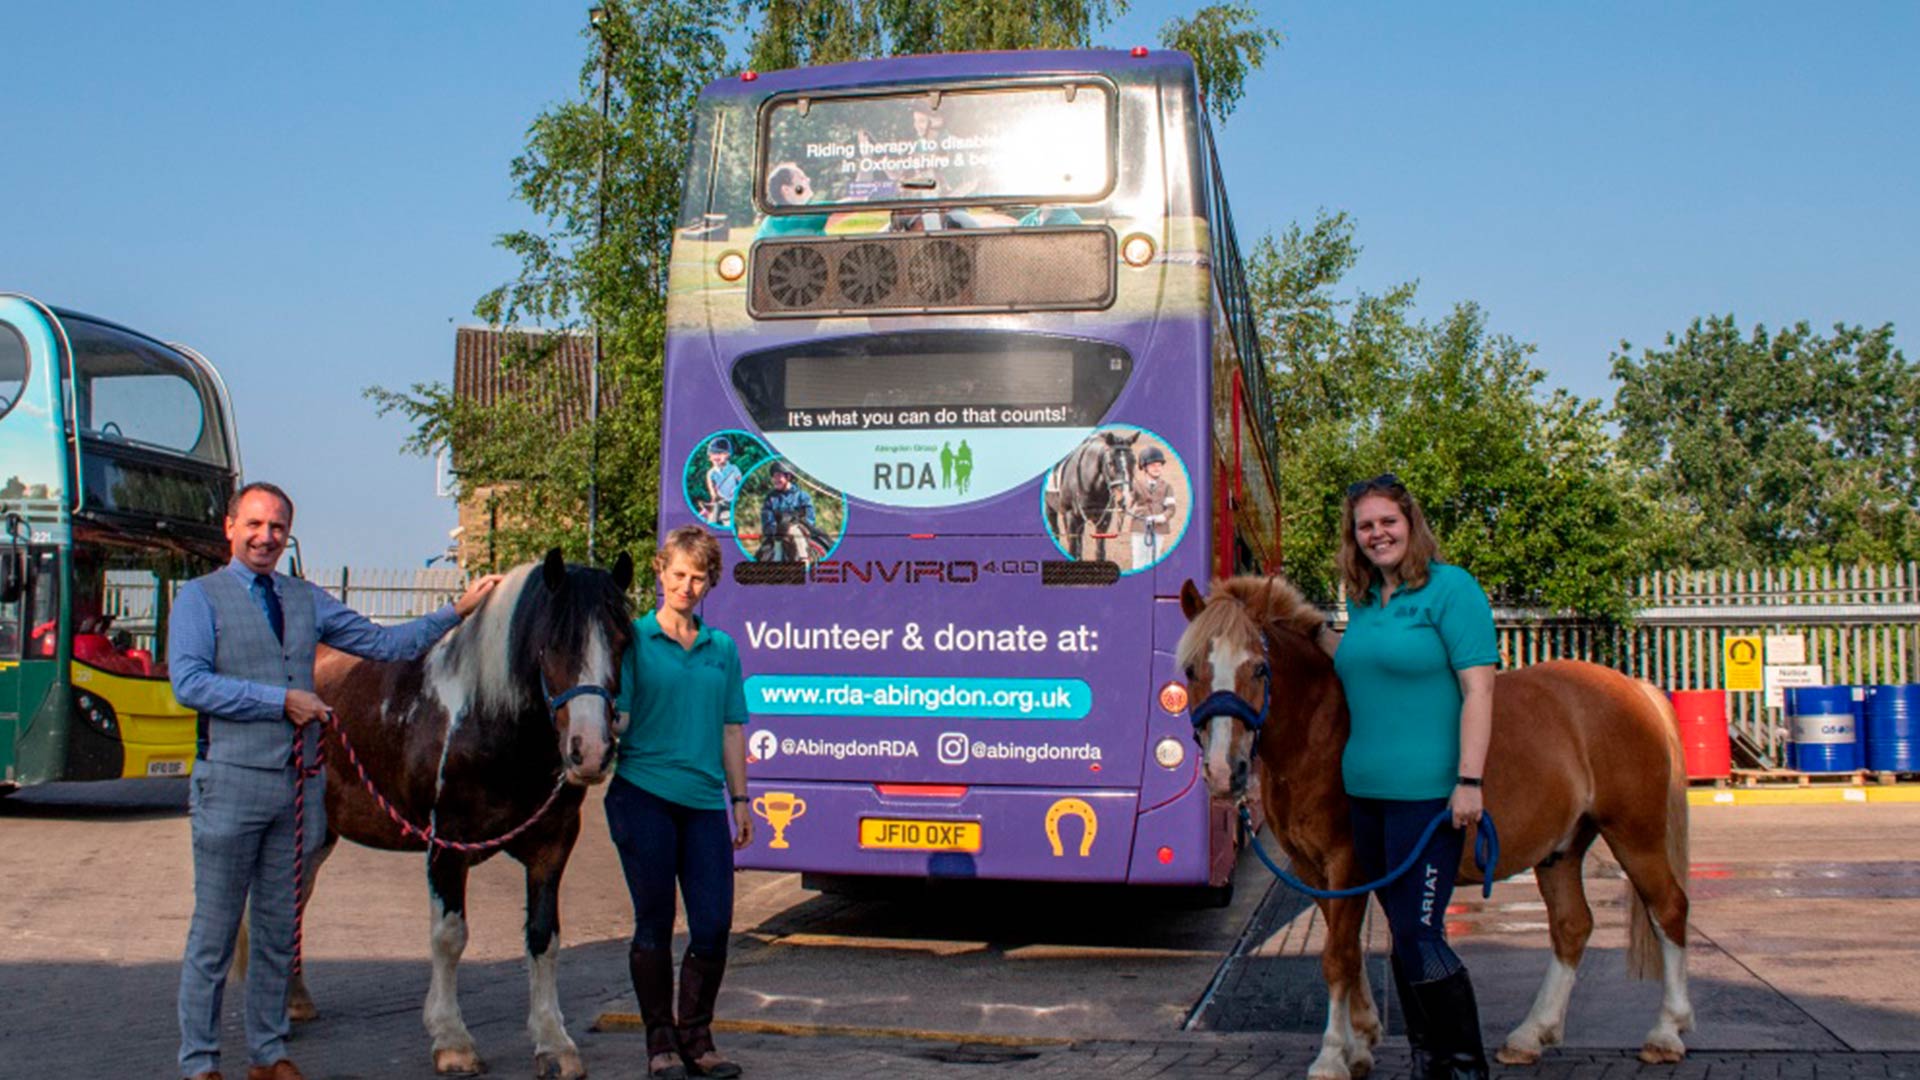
{"points": [[1078, 808]]}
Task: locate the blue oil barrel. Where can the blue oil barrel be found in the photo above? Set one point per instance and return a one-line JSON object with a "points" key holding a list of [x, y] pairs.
{"points": [[1826, 728], [1893, 712]]}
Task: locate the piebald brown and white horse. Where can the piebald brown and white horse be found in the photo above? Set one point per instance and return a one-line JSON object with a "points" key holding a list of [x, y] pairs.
{"points": [[471, 742], [1578, 752]]}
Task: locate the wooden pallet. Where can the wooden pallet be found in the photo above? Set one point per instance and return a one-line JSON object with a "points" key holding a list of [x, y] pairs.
{"points": [[1796, 778]]}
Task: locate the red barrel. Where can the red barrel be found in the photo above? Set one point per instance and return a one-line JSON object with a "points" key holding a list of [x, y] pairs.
{"points": [[1703, 733]]}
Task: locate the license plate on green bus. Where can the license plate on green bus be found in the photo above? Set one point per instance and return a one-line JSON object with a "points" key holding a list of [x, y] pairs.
{"points": [[900, 834]]}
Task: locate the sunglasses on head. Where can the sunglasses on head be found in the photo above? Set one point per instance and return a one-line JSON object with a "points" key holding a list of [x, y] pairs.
{"points": [[1384, 481]]}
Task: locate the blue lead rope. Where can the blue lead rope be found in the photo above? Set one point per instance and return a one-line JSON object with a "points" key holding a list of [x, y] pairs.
{"points": [[1486, 856]]}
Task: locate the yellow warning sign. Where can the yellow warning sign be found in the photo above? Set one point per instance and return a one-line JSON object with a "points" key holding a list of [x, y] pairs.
{"points": [[1744, 669]]}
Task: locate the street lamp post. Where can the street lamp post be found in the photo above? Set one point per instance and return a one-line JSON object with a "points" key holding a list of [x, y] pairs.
{"points": [[599, 16]]}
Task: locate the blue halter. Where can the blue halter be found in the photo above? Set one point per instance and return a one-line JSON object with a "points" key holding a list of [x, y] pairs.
{"points": [[1228, 703], [556, 702]]}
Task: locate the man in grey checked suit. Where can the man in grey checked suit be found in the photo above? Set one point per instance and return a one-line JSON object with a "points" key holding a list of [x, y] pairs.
{"points": [[240, 645]]}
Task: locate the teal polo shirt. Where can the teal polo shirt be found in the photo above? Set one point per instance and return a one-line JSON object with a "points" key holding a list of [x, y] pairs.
{"points": [[678, 700], [1399, 664]]}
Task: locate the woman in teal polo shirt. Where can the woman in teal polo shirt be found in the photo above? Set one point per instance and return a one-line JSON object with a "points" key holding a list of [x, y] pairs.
{"points": [[1417, 663], [682, 766]]}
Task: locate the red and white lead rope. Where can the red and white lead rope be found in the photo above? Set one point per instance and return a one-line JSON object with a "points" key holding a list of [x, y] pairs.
{"points": [[304, 772]]}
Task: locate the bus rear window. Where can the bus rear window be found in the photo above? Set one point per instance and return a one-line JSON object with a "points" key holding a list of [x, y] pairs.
{"points": [[1027, 144]]}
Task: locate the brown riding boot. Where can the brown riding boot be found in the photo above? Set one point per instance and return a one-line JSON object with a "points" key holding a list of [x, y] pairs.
{"points": [[652, 972], [699, 988], [284, 1069]]}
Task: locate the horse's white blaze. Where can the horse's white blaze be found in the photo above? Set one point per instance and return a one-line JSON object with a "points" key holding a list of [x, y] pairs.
{"points": [[589, 717], [1676, 1008], [1546, 1022], [448, 939], [545, 1025], [1226, 657], [1336, 1045], [1219, 768]]}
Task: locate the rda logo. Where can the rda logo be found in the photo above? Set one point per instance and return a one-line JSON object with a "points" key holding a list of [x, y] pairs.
{"points": [[953, 748], [762, 745]]}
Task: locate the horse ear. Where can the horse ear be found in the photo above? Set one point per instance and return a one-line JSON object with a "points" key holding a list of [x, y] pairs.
{"points": [[1190, 600], [623, 571], [554, 570]]}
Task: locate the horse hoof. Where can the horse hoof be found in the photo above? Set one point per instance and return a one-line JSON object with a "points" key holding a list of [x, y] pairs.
{"points": [[1361, 1066], [456, 1061], [301, 1009], [1513, 1055], [1655, 1054], [565, 1065]]}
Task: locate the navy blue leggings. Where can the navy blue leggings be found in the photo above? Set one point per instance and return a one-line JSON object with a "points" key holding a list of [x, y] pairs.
{"points": [[660, 841], [1384, 831]]}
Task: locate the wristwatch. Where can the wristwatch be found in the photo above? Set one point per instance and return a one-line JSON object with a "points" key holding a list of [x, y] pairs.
{"points": [[738, 798], [1469, 781]]}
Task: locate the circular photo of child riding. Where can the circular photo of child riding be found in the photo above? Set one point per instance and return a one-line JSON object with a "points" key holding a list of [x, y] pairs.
{"points": [[715, 470], [782, 515], [1122, 496]]}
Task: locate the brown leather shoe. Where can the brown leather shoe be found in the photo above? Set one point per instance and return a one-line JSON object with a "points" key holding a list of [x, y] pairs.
{"points": [[284, 1069], [211, 1075]]}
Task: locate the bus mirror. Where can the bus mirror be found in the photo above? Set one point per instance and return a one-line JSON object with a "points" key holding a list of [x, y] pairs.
{"points": [[13, 575]]}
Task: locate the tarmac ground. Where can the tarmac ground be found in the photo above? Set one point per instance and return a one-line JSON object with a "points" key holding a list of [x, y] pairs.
{"points": [[1804, 926]]}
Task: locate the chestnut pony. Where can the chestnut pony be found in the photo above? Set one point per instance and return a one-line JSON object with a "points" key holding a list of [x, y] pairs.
{"points": [[501, 725], [1578, 752]]}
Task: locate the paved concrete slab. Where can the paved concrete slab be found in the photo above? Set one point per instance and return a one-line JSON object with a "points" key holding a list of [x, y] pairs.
{"points": [[1804, 916]]}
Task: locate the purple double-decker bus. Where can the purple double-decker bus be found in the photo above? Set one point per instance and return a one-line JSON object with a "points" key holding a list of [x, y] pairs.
{"points": [[960, 367]]}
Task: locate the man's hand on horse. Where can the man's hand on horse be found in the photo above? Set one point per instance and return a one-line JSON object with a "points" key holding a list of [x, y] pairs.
{"points": [[305, 707], [476, 592], [1466, 806]]}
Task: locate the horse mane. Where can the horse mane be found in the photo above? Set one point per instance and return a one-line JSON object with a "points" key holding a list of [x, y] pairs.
{"points": [[490, 661], [1260, 602]]}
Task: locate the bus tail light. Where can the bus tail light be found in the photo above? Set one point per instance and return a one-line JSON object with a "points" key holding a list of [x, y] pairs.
{"points": [[1173, 698], [1137, 249], [733, 266], [1165, 855]]}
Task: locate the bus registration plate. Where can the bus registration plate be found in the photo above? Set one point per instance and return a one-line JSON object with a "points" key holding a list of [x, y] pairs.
{"points": [[166, 767], [898, 834]]}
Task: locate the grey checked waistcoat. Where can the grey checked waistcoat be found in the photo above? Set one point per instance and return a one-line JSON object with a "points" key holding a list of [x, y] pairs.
{"points": [[245, 648]]}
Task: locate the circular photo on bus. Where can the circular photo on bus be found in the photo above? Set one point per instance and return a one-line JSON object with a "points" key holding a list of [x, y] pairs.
{"points": [[1122, 496], [715, 470], [782, 515]]}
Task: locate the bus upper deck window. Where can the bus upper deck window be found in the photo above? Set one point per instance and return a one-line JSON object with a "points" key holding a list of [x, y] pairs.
{"points": [[13, 368]]}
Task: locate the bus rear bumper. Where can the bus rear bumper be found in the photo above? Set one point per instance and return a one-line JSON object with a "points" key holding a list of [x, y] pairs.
{"points": [[988, 833]]}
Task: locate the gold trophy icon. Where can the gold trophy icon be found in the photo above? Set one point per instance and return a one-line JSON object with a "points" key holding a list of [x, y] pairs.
{"points": [[780, 808]]}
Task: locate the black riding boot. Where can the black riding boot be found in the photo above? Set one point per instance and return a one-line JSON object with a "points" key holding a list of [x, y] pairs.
{"points": [[652, 971], [699, 988], [1420, 1051], [1453, 1028]]}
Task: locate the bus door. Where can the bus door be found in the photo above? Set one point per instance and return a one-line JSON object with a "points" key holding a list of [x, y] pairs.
{"points": [[13, 592]]}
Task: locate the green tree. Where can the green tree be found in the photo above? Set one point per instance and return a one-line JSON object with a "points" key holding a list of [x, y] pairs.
{"points": [[1520, 487], [1227, 45], [1770, 448]]}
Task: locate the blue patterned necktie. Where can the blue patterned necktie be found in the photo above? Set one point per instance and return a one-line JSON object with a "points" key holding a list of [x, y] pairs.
{"points": [[270, 603]]}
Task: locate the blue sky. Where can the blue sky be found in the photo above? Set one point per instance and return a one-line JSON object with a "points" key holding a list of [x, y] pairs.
{"points": [[309, 194]]}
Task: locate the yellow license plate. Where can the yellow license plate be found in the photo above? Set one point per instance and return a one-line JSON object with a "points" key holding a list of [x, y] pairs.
{"points": [[897, 834]]}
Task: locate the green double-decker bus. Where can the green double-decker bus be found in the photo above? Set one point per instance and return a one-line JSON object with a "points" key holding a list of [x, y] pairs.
{"points": [[117, 456]]}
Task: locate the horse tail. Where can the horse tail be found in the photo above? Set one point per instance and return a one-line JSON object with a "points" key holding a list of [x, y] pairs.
{"points": [[1645, 959]]}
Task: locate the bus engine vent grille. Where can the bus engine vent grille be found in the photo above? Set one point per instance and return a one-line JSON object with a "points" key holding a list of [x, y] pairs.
{"points": [[1072, 572], [1059, 268]]}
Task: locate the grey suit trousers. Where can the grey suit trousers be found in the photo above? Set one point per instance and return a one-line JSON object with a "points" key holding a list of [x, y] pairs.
{"points": [[242, 847]]}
